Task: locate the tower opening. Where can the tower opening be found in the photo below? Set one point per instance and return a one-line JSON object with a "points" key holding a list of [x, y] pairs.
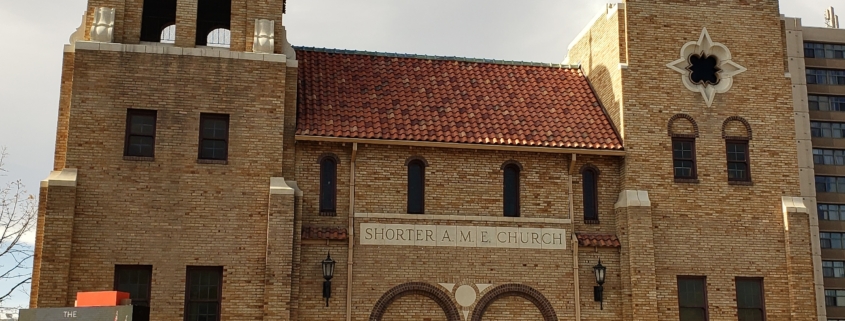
{"points": [[157, 16], [213, 15]]}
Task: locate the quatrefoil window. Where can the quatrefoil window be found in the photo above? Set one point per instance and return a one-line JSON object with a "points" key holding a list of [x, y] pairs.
{"points": [[704, 69]]}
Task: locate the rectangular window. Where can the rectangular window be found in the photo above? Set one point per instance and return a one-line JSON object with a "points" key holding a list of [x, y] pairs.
{"points": [[832, 240], [140, 133], [824, 50], [826, 103], [692, 298], [214, 136], [834, 298], [203, 293], [833, 269], [749, 299], [683, 157], [827, 129], [135, 280], [828, 156], [830, 184], [825, 76], [738, 169], [831, 212]]}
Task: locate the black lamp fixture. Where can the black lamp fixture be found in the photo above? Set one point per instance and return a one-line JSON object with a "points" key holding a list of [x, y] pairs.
{"points": [[328, 273], [600, 271]]}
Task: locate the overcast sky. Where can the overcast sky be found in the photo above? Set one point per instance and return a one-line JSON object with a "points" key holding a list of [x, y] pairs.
{"points": [[32, 33]]}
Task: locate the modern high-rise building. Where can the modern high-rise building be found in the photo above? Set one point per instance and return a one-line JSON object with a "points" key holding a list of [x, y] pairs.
{"points": [[816, 59], [664, 171]]}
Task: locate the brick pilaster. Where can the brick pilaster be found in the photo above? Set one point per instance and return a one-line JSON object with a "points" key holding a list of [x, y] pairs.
{"points": [[634, 228], [53, 247], [280, 223]]}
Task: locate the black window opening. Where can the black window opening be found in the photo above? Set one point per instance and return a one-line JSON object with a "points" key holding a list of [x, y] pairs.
{"points": [[157, 16], [749, 299], [203, 293], [214, 136], [328, 186], [511, 190], [135, 280], [589, 185], [416, 187], [683, 158], [692, 298], [213, 22], [140, 133], [704, 69], [738, 161]]}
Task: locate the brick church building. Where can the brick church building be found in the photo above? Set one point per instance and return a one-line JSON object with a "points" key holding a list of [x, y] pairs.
{"points": [[208, 167]]}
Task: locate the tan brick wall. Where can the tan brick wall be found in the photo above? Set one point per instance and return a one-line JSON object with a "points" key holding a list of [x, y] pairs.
{"points": [[64, 111], [414, 308], [709, 228], [512, 308], [173, 212]]}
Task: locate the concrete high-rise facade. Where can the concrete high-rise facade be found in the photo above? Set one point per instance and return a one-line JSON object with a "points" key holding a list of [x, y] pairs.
{"points": [[211, 178]]}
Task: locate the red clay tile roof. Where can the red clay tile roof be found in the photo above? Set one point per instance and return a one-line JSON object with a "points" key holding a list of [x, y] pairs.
{"points": [[456, 100], [598, 240], [323, 233]]}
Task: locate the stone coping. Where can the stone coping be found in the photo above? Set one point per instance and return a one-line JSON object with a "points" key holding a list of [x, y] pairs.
{"points": [[180, 51], [464, 218]]}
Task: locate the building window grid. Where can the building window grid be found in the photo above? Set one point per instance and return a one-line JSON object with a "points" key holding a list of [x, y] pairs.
{"points": [[214, 136], [738, 160], [830, 184], [834, 298], [831, 212], [832, 240], [826, 103], [203, 293], [824, 50], [828, 156], [833, 269], [683, 158], [140, 133], [692, 298], [827, 129], [749, 297], [825, 77], [135, 280]]}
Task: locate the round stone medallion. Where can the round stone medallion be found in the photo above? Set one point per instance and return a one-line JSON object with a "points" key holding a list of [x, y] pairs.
{"points": [[465, 295]]}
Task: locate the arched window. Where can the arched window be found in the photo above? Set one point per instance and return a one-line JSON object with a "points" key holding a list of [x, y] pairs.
{"points": [[328, 185], [212, 16], [157, 15], [590, 189], [220, 38], [168, 35], [416, 187], [511, 189]]}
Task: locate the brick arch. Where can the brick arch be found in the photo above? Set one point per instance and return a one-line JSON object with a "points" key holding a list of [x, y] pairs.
{"points": [[671, 130], [328, 155], [589, 166], [520, 290], [432, 292], [512, 162], [416, 158], [738, 119]]}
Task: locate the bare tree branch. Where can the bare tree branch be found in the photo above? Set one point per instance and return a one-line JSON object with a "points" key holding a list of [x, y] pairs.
{"points": [[18, 210]]}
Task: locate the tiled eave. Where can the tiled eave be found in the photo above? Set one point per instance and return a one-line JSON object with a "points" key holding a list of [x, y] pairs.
{"points": [[598, 240], [517, 148]]}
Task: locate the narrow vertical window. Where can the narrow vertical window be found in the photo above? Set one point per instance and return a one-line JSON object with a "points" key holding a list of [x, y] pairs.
{"points": [[214, 136], [511, 190], [157, 15], [203, 293], [589, 185], [135, 280], [683, 157], [737, 153], [749, 299], [416, 187], [140, 133], [213, 22], [328, 186], [692, 298]]}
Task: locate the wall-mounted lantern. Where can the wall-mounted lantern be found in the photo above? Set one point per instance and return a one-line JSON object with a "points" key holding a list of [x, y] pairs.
{"points": [[600, 271], [328, 273]]}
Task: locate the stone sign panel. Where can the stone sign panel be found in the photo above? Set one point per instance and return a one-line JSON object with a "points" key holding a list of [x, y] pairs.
{"points": [[463, 236]]}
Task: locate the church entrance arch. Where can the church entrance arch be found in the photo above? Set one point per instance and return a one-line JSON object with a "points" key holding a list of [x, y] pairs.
{"points": [[415, 288], [517, 290]]}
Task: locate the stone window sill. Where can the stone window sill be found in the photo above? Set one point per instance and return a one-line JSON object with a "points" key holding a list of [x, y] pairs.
{"points": [[139, 158], [741, 183], [213, 161], [687, 180]]}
